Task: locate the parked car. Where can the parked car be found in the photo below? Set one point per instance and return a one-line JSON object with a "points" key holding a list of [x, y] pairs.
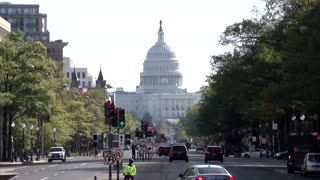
{"points": [[281, 155], [164, 150], [212, 172], [178, 152], [56, 153], [311, 164], [213, 153], [255, 153]]}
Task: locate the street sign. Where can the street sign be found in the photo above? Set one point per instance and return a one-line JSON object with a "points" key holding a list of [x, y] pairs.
{"points": [[121, 141], [118, 154], [110, 158]]}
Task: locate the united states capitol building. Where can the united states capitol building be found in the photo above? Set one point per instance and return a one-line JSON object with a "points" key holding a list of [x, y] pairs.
{"points": [[159, 91]]}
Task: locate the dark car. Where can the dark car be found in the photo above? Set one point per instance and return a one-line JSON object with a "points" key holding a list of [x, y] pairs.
{"points": [[213, 153], [164, 150], [178, 152], [281, 155]]}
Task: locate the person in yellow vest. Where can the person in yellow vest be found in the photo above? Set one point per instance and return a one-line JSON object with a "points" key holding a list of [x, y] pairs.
{"points": [[129, 171]]}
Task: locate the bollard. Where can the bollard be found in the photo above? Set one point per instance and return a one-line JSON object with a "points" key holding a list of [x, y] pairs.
{"points": [[95, 178]]}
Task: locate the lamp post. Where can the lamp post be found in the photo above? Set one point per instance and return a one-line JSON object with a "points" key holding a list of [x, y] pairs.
{"points": [[302, 117], [12, 146], [54, 136], [31, 143], [37, 145], [293, 119], [22, 152]]}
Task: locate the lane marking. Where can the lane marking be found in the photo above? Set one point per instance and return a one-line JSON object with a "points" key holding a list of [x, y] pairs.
{"points": [[83, 164], [55, 174], [44, 178], [53, 165]]}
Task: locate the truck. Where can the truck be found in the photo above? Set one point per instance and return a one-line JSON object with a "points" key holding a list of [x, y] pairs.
{"points": [[297, 147]]}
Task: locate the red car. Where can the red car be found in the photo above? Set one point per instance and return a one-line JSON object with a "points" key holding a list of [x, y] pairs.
{"points": [[164, 150]]}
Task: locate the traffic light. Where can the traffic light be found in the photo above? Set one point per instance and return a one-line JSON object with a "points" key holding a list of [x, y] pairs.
{"points": [[122, 118], [145, 125], [106, 112], [115, 121], [142, 125], [109, 113], [149, 134], [137, 133]]}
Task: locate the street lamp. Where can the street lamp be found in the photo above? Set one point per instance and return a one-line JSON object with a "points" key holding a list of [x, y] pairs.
{"points": [[22, 152], [31, 148], [37, 144], [12, 146], [54, 136], [302, 117]]}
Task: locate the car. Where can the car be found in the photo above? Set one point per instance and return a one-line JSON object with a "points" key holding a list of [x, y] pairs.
{"points": [[206, 172], [200, 147], [56, 153], [178, 152], [164, 150], [281, 155], [255, 153], [311, 164], [213, 153]]}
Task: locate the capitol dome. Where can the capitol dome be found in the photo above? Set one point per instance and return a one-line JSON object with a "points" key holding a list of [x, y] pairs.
{"points": [[160, 49]]}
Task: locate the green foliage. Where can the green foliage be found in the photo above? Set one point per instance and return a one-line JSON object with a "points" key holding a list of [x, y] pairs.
{"points": [[274, 67]]}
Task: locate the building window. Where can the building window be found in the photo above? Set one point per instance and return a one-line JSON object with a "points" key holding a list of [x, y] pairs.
{"points": [[44, 38], [83, 84], [89, 84], [68, 75], [83, 75], [178, 114], [78, 74]]}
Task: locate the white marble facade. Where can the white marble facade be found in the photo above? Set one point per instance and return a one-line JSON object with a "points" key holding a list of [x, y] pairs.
{"points": [[158, 93]]}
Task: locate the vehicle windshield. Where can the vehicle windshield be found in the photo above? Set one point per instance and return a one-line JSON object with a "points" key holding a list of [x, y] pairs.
{"points": [[55, 149], [211, 170]]}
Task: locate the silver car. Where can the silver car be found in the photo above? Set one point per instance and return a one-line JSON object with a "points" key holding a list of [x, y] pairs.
{"points": [[311, 164], [205, 172]]}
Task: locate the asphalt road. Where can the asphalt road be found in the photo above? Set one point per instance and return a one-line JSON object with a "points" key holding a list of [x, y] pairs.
{"points": [[158, 168]]}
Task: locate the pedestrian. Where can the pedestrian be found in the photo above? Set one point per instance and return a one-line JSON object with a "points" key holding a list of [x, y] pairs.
{"points": [[129, 171], [95, 152], [133, 151]]}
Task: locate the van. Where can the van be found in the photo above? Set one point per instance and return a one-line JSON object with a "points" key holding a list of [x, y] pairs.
{"points": [[311, 164]]}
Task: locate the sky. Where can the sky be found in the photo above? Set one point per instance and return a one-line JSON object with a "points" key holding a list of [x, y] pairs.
{"points": [[117, 34]]}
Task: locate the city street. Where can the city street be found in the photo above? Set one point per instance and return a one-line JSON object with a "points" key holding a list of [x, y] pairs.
{"points": [[157, 168]]}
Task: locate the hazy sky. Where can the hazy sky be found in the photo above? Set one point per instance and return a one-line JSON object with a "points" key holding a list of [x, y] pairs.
{"points": [[117, 34]]}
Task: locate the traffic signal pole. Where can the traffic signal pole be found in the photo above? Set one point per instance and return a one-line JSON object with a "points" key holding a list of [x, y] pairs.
{"points": [[118, 131], [110, 146]]}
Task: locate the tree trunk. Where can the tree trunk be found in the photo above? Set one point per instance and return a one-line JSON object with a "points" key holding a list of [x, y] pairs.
{"points": [[10, 138], [4, 134]]}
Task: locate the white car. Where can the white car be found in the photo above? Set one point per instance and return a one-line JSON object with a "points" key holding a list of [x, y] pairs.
{"points": [[255, 153], [56, 153], [311, 164]]}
